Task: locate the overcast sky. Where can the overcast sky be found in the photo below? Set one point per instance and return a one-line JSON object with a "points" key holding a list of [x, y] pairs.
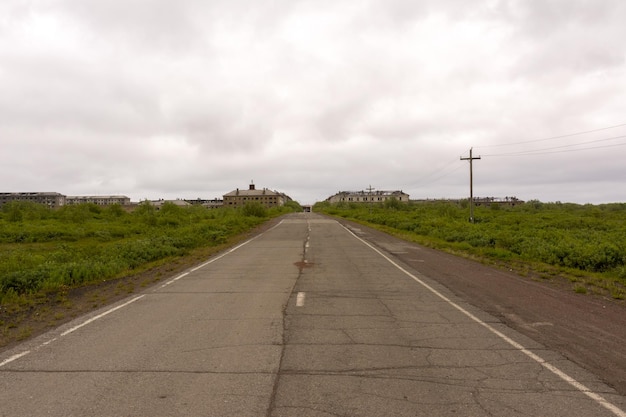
{"points": [[194, 98]]}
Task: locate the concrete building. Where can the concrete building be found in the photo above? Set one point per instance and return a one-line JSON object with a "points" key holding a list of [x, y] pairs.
{"points": [[178, 202], [100, 200], [52, 200], [266, 197], [367, 197], [210, 204], [498, 201]]}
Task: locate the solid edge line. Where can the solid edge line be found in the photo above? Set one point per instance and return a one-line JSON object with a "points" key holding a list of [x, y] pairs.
{"points": [[99, 316], [86, 322], [565, 377], [14, 357], [73, 329], [202, 265]]}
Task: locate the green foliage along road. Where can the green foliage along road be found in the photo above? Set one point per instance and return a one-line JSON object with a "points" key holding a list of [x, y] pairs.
{"points": [[48, 250], [586, 243]]}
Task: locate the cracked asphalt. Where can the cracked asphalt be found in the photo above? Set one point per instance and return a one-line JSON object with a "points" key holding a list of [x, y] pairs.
{"points": [[306, 319]]}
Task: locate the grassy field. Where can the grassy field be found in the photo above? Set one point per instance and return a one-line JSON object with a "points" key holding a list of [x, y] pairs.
{"points": [[584, 243], [56, 264], [43, 251]]}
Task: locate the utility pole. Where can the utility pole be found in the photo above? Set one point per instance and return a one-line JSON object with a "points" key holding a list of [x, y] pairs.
{"points": [[369, 193], [470, 159]]}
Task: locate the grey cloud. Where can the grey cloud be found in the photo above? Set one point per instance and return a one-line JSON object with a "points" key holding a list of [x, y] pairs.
{"points": [[543, 19], [155, 23], [167, 99], [573, 36]]}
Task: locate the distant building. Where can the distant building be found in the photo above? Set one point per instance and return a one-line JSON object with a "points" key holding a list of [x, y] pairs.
{"points": [[100, 200], [500, 201], [52, 200], [266, 197], [159, 203], [367, 196], [211, 204]]}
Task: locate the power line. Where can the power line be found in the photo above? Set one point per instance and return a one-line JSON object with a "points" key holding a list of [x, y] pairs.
{"points": [[553, 137], [561, 148], [423, 180], [446, 170], [459, 166]]}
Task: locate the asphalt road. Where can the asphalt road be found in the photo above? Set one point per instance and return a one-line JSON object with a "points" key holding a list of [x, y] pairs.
{"points": [[306, 319]]}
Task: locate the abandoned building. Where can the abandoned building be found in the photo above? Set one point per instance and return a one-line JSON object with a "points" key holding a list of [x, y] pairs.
{"points": [[99, 200], [368, 196], [265, 197], [52, 200]]}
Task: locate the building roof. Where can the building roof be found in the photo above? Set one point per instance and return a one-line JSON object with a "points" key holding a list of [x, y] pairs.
{"points": [[253, 193], [32, 194], [87, 197], [373, 193], [178, 202]]}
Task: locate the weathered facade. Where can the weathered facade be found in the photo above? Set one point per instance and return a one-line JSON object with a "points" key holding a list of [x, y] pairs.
{"points": [[265, 197], [100, 200], [498, 201], [368, 196], [52, 200], [159, 203], [210, 204]]}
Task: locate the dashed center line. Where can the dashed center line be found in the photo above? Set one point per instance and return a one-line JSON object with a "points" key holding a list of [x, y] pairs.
{"points": [[300, 299]]}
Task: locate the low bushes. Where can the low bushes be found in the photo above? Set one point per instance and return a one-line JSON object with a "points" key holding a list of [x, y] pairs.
{"points": [[42, 249], [587, 238]]}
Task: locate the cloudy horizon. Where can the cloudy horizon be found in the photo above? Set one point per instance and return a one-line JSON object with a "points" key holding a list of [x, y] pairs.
{"points": [[192, 99]]}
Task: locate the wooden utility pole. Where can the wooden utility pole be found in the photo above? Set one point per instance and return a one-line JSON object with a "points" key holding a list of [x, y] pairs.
{"points": [[470, 159], [370, 189]]}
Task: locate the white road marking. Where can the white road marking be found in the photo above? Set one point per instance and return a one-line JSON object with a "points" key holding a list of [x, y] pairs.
{"points": [[91, 320], [541, 323], [565, 377], [300, 299], [14, 357], [202, 265], [174, 279], [86, 322]]}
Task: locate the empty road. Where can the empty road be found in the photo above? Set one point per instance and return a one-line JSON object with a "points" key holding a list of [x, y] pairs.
{"points": [[306, 319]]}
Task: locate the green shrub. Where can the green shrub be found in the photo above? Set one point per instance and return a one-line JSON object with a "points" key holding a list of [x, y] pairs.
{"points": [[586, 238], [254, 209], [294, 206], [77, 245]]}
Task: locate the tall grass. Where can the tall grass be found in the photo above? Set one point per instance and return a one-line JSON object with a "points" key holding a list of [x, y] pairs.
{"points": [[43, 250], [585, 239]]}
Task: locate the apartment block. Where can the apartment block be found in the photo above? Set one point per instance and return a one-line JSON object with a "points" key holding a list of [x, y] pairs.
{"points": [[52, 200], [100, 200], [265, 197], [367, 196]]}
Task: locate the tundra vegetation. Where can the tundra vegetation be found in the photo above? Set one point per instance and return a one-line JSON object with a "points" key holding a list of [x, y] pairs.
{"points": [[44, 251], [584, 243]]}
